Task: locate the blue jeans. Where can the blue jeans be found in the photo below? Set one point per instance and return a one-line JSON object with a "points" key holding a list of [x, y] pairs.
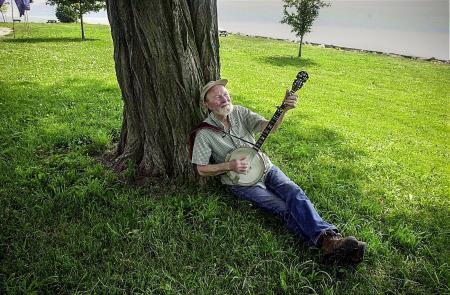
{"points": [[285, 198]]}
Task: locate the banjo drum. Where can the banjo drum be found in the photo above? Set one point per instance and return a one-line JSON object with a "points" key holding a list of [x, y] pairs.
{"points": [[257, 167]]}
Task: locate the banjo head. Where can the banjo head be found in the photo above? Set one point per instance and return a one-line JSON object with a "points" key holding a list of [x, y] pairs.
{"points": [[256, 166]]}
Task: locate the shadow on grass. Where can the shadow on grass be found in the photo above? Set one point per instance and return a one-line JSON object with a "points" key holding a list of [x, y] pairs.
{"points": [[95, 210], [319, 159], [47, 40], [282, 61]]}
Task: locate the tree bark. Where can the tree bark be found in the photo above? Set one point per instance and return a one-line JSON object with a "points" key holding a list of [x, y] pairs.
{"points": [[81, 22], [300, 46], [164, 52]]}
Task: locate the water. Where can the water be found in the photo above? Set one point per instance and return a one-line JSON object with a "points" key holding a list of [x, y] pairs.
{"points": [[416, 28], [410, 27]]}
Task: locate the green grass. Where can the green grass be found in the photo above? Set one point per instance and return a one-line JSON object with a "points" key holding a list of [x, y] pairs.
{"points": [[368, 143]]}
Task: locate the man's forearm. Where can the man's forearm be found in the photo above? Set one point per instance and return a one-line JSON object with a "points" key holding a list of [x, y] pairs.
{"points": [[213, 169]]}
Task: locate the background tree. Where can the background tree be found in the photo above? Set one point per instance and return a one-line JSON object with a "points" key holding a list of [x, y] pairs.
{"points": [[80, 7], [4, 9], [66, 14], [164, 52], [300, 14]]}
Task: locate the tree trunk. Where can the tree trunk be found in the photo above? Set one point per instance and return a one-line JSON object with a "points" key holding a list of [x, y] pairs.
{"points": [[164, 52], [81, 22], [300, 46]]}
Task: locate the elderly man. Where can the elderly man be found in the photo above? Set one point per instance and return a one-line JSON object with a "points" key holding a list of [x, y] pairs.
{"points": [[235, 126]]}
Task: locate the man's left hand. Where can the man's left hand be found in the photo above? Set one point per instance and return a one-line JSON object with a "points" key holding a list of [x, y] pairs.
{"points": [[290, 100]]}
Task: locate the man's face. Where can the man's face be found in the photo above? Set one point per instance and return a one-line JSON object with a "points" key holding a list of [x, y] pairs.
{"points": [[219, 101]]}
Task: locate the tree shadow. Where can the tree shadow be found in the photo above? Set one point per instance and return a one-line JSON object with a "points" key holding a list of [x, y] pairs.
{"points": [[282, 61], [23, 102], [47, 40]]}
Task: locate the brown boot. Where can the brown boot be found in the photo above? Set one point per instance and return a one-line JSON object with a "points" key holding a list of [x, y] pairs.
{"points": [[349, 249]]}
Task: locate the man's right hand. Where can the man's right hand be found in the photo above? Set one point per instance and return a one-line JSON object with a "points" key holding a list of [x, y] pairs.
{"points": [[239, 166]]}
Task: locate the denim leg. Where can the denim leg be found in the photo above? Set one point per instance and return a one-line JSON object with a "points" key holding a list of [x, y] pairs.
{"points": [[302, 216], [261, 197]]}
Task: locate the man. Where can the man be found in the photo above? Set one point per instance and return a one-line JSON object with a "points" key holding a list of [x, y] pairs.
{"points": [[276, 193]]}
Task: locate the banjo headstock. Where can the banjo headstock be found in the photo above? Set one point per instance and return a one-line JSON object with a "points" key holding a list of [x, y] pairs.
{"points": [[300, 79]]}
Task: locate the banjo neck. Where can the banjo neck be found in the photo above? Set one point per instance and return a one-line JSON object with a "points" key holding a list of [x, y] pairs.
{"points": [[269, 126], [301, 78]]}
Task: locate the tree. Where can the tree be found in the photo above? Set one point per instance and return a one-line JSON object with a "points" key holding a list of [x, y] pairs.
{"points": [[3, 10], [80, 7], [164, 52], [66, 14], [300, 14]]}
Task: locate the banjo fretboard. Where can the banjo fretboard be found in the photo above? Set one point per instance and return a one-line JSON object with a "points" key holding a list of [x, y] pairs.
{"points": [[269, 127]]}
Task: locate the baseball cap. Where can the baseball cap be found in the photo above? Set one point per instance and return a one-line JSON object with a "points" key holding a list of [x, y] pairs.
{"points": [[210, 85]]}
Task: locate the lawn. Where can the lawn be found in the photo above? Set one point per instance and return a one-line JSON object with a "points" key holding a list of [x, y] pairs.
{"points": [[369, 143]]}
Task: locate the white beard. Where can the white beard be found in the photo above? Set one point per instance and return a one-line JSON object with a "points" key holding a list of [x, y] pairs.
{"points": [[225, 111]]}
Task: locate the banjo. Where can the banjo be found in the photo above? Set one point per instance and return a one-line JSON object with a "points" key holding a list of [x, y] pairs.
{"points": [[257, 167]]}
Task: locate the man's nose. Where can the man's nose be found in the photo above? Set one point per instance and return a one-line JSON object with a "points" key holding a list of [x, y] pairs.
{"points": [[223, 98]]}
